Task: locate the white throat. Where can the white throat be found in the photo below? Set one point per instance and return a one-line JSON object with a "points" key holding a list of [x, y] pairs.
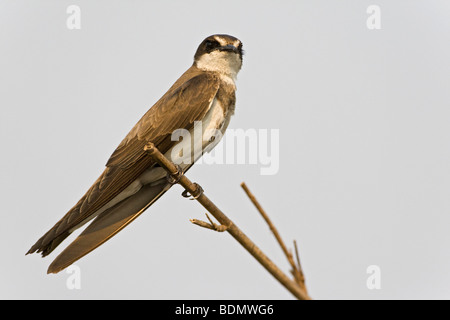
{"points": [[224, 63]]}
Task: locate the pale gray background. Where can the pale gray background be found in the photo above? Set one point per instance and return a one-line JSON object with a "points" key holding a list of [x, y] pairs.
{"points": [[364, 153]]}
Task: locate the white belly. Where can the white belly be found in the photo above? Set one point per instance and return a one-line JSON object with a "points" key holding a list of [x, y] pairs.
{"points": [[201, 138]]}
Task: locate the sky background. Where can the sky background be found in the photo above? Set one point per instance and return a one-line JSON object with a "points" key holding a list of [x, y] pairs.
{"points": [[363, 117]]}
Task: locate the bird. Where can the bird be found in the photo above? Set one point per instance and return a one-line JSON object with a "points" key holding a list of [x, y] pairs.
{"points": [[132, 181]]}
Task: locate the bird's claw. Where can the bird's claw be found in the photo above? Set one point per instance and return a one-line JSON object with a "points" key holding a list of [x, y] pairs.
{"points": [[198, 192], [174, 178]]}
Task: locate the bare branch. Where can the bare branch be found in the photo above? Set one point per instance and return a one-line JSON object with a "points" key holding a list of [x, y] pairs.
{"points": [[296, 269], [299, 266], [196, 191], [301, 276]]}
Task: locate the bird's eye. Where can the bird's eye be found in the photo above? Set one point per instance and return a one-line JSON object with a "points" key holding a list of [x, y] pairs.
{"points": [[210, 44]]}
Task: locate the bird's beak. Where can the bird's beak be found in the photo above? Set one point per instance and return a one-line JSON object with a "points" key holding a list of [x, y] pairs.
{"points": [[229, 48]]}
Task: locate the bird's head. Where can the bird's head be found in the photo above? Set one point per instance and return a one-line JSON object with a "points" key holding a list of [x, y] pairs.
{"points": [[220, 53]]}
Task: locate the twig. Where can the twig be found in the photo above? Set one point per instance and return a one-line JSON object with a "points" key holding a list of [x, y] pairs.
{"points": [[196, 191], [296, 268], [299, 266], [211, 225]]}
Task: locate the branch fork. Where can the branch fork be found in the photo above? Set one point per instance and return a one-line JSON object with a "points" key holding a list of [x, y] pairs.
{"points": [[296, 270]]}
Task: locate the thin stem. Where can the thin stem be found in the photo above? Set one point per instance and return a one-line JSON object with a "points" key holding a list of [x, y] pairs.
{"points": [[287, 253]]}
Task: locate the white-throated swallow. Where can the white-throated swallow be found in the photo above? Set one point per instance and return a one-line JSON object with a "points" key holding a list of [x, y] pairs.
{"points": [[131, 181]]}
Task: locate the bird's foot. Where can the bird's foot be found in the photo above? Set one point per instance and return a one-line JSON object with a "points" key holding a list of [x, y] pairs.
{"points": [[198, 192], [174, 178]]}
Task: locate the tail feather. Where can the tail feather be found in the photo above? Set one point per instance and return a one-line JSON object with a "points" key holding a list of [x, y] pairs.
{"points": [[107, 224], [46, 247]]}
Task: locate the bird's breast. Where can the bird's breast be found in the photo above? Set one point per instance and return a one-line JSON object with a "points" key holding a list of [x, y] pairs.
{"points": [[213, 120]]}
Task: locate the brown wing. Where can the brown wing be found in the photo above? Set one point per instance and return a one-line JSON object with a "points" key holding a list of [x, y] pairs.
{"points": [[183, 105], [187, 101]]}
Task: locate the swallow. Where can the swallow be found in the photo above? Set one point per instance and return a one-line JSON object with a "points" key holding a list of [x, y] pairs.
{"points": [[132, 181]]}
